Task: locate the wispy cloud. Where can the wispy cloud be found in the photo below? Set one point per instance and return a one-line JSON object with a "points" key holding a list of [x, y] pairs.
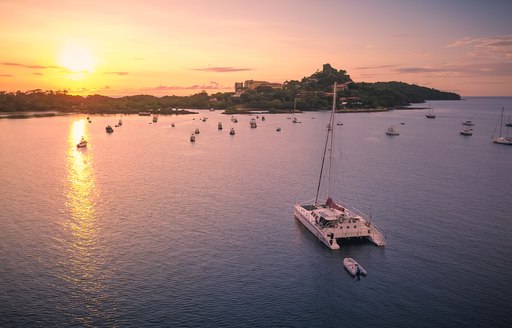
{"points": [[463, 69], [6, 75], [488, 47], [29, 66], [212, 86], [116, 73], [221, 69], [375, 67]]}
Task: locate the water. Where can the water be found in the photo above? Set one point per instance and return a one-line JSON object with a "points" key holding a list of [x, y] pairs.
{"points": [[144, 228]]}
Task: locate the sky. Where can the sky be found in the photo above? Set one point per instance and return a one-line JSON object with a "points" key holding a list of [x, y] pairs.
{"points": [[170, 47]]}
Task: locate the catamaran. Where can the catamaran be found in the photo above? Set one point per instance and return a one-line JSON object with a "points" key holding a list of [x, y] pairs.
{"points": [[331, 221]]}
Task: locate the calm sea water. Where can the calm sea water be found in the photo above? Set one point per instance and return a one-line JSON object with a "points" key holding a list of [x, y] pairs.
{"points": [[145, 228]]}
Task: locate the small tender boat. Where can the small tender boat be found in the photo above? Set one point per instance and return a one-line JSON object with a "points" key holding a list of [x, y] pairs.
{"points": [[263, 118], [232, 131], [109, 129], [82, 143], [278, 129], [193, 138], [253, 123], [233, 119], [295, 120], [155, 119], [391, 131], [339, 123], [120, 122], [197, 131], [219, 125], [172, 124], [354, 268], [467, 131]]}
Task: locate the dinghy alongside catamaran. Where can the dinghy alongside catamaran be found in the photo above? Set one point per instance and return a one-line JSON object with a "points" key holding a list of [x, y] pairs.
{"points": [[331, 221]]}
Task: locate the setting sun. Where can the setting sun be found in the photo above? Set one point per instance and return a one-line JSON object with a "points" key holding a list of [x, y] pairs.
{"points": [[77, 60]]}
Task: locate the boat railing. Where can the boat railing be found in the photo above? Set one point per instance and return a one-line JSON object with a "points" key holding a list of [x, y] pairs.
{"points": [[376, 234]]}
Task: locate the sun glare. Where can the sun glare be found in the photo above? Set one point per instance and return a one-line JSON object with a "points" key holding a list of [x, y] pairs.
{"points": [[77, 60]]}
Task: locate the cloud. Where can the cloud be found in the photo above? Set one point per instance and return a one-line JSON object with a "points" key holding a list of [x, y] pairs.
{"points": [[375, 67], [6, 75], [464, 69], [213, 86], [221, 69], [37, 73], [494, 47], [116, 73], [29, 66]]}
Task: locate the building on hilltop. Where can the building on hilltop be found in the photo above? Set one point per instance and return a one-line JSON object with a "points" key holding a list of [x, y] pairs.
{"points": [[253, 85]]}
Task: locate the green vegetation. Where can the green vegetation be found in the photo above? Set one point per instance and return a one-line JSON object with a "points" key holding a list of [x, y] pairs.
{"points": [[311, 93]]}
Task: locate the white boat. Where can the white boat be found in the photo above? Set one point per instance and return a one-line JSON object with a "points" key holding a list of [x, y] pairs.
{"points": [[430, 113], [331, 221], [233, 119], [294, 119], [354, 268], [508, 122], [467, 131], [232, 131], [253, 123], [468, 122], [193, 138], [391, 131], [219, 125], [500, 139], [82, 143]]}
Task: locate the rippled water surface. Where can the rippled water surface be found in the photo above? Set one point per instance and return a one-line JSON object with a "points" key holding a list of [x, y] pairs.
{"points": [[145, 228]]}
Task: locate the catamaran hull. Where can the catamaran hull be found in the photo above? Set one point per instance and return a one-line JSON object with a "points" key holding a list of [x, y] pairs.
{"points": [[319, 233]]}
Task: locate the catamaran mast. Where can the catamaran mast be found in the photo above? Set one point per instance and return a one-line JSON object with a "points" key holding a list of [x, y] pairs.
{"points": [[330, 137], [501, 119]]}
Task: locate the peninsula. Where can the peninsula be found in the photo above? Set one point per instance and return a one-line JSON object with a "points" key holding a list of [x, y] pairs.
{"points": [[309, 94]]}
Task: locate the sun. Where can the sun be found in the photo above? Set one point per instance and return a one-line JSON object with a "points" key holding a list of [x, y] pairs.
{"points": [[77, 60]]}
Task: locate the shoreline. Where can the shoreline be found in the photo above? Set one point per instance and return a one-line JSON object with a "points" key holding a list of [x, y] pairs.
{"points": [[246, 111]]}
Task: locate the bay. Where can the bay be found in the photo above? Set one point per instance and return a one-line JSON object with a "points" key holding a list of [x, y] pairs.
{"points": [[145, 228]]}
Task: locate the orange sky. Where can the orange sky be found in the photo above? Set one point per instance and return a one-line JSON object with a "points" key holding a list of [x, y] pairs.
{"points": [[173, 47]]}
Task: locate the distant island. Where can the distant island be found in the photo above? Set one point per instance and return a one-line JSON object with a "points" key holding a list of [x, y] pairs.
{"points": [[309, 94]]}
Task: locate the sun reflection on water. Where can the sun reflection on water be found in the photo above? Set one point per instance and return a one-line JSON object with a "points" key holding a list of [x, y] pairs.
{"points": [[84, 257]]}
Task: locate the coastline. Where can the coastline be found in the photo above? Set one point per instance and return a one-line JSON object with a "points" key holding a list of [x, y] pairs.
{"points": [[248, 111]]}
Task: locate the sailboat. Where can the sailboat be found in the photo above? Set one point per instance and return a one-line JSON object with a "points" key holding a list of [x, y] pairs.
{"points": [[331, 221], [502, 140], [508, 122], [430, 113], [295, 120]]}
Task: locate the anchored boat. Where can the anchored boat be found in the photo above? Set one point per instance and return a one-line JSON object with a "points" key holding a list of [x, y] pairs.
{"points": [[354, 268], [331, 221]]}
